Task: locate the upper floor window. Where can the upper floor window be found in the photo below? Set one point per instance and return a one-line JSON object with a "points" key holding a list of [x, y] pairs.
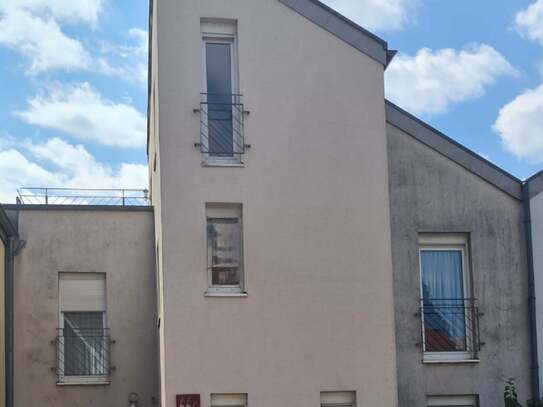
{"points": [[338, 399], [224, 248], [221, 109], [82, 342], [449, 312]]}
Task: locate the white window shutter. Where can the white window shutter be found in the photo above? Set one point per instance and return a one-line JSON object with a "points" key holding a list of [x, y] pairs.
{"points": [[82, 292]]}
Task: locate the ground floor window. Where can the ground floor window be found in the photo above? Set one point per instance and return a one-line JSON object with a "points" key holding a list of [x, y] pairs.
{"points": [[452, 401], [229, 400], [338, 399]]}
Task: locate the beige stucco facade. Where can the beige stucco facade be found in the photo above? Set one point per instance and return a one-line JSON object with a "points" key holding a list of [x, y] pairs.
{"points": [[318, 315], [117, 243]]}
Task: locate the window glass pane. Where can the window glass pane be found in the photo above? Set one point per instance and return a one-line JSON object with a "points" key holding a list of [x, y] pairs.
{"points": [[443, 300], [224, 241], [219, 98], [225, 276], [84, 344]]}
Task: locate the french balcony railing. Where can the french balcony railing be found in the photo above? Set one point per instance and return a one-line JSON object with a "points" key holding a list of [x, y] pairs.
{"points": [[83, 355], [222, 126], [74, 196], [450, 328]]}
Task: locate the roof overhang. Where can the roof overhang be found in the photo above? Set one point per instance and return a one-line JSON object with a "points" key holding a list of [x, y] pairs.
{"points": [[343, 28], [453, 150]]}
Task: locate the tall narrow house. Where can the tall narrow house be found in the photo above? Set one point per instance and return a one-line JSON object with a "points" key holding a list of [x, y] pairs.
{"points": [[269, 181]]}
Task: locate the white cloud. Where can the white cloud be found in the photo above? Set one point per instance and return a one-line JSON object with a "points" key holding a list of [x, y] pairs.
{"points": [[127, 62], [83, 113], [16, 170], [520, 126], [86, 11], [41, 41], [529, 22], [381, 15], [431, 81], [68, 166]]}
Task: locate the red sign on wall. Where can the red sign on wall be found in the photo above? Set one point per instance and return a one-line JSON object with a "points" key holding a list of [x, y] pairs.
{"points": [[188, 400]]}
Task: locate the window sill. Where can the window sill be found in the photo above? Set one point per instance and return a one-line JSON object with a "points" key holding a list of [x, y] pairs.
{"points": [[226, 164], [225, 294], [451, 362], [84, 383]]}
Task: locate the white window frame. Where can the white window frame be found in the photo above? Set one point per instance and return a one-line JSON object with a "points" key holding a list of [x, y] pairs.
{"points": [[452, 401], [446, 242], [225, 211], [77, 380], [222, 32]]}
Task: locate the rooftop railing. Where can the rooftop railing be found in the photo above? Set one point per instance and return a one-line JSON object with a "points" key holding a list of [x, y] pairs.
{"points": [[75, 196]]}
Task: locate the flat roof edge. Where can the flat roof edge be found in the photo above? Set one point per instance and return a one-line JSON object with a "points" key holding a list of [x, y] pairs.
{"points": [[453, 150], [83, 208], [343, 28]]}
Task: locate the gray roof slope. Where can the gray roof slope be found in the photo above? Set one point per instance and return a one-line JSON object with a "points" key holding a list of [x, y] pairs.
{"points": [[453, 150], [343, 28]]}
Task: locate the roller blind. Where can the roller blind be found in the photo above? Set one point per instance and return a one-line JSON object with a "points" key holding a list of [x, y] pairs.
{"points": [[82, 291]]}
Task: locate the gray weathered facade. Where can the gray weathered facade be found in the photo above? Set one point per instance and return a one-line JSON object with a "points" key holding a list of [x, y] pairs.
{"points": [[433, 194]]}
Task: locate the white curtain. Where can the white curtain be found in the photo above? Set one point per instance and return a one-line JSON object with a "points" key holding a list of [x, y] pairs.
{"points": [[443, 296]]}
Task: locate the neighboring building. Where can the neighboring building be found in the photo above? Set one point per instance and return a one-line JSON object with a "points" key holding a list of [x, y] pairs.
{"points": [[8, 239], [460, 270], [85, 307], [306, 242]]}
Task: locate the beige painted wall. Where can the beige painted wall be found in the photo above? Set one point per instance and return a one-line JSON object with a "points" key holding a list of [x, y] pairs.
{"points": [[117, 243], [2, 324], [319, 311]]}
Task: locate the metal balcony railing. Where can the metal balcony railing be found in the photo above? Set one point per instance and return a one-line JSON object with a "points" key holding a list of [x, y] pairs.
{"points": [[450, 325], [74, 196], [83, 354], [222, 126]]}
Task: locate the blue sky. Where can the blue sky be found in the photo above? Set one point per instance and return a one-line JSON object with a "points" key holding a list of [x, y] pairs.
{"points": [[73, 81]]}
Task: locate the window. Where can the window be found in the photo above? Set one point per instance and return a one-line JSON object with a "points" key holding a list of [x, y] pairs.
{"points": [[82, 343], [452, 401], [448, 313], [224, 248], [229, 400], [222, 112], [338, 399]]}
